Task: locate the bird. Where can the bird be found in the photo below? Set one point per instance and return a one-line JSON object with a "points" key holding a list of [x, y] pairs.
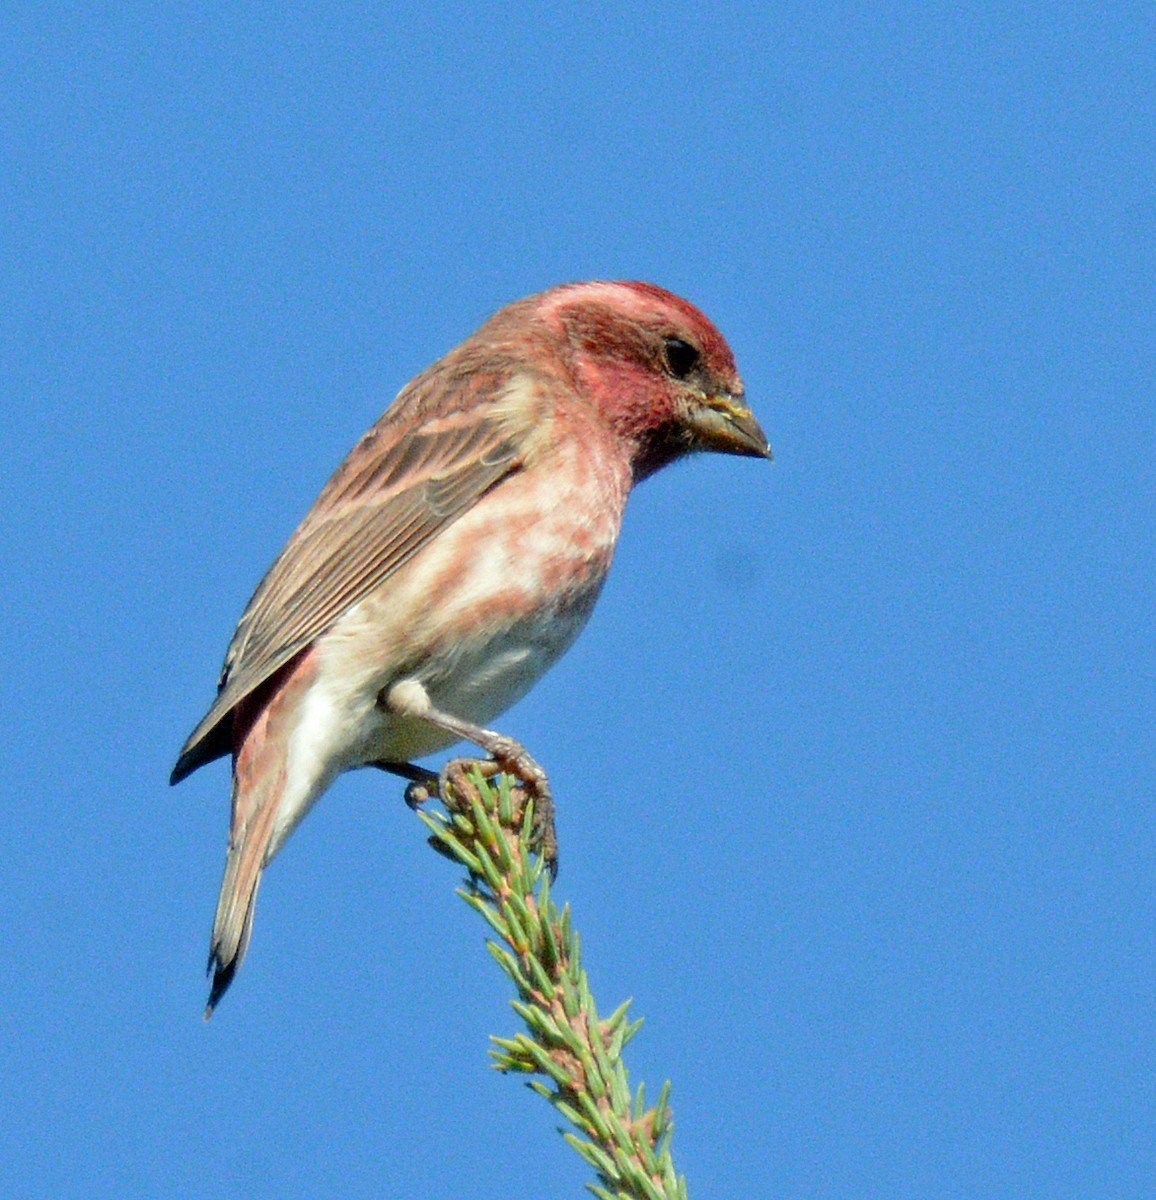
{"points": [[453, 556]]}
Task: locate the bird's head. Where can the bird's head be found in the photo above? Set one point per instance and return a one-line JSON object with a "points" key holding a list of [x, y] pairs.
{"points": [[657, 370]]}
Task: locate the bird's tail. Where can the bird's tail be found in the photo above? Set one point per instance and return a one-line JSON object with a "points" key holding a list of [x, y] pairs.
{"points": [[259, 781], [266, 807], [233, 923]]}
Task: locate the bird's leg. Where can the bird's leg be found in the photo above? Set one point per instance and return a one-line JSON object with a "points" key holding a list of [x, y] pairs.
{"points": [[423, 783], [408, 698], [510, 757]]}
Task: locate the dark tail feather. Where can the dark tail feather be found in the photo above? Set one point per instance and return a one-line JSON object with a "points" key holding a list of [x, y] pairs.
{"points": [[222, 977], [233, 924]]}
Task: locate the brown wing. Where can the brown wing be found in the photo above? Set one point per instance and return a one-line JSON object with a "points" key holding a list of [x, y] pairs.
{"points": [[450, 437]]}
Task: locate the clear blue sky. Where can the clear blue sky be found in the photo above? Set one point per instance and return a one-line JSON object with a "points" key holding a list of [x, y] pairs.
{"points": [[855, 761]]}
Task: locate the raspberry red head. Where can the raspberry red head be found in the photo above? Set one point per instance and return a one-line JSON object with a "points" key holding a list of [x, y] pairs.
{"points": [[657, 369]]}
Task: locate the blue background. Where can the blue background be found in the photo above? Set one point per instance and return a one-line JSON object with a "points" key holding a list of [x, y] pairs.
{"points": [[855, 760]]}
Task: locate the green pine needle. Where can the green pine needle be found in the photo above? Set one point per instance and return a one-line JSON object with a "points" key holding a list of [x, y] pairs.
{"points": [[576, 1057]]}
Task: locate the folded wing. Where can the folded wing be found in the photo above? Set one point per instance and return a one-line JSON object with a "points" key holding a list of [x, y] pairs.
{"points": [[441, 446]]}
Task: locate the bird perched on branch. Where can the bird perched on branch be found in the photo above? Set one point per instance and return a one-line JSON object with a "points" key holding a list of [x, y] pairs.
{"points": [[452, 558]]}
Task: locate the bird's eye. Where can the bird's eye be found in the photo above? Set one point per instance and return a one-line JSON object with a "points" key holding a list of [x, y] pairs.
{"points": [[681, 357]]}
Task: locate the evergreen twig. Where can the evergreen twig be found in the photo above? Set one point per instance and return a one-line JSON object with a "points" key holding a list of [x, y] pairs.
{"points": [[576, 1057]]}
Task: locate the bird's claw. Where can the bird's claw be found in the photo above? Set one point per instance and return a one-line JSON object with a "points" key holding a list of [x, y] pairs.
{"points": [[508, 758], [417, 794], [543, 836], [511, 759]]}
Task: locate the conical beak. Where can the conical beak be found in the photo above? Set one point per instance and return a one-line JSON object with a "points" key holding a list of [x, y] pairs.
{"points": [[723, 423]]}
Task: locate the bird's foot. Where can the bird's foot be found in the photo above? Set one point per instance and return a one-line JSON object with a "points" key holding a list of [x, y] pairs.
{"points": [[423, 784], [511, 758], [508, 758]]}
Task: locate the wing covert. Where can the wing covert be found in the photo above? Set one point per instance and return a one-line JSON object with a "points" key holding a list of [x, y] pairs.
{"points": [[396, 490]]}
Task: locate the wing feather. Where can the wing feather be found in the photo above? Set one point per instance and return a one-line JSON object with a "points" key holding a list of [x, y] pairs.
{"points": [[449, 438]]}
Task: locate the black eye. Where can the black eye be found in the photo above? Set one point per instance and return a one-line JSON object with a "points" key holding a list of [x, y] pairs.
{"points": [[681, 357]]}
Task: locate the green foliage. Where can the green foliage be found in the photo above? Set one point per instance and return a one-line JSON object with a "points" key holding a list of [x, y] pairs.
{"points": [[575, 1056]]}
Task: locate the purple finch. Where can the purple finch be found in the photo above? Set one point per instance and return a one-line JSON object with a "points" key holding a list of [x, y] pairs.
{"points": [[454, 555]]}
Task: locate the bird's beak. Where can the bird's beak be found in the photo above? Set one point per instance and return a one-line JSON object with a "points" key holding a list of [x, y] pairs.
{"points": [[724, 423]]}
